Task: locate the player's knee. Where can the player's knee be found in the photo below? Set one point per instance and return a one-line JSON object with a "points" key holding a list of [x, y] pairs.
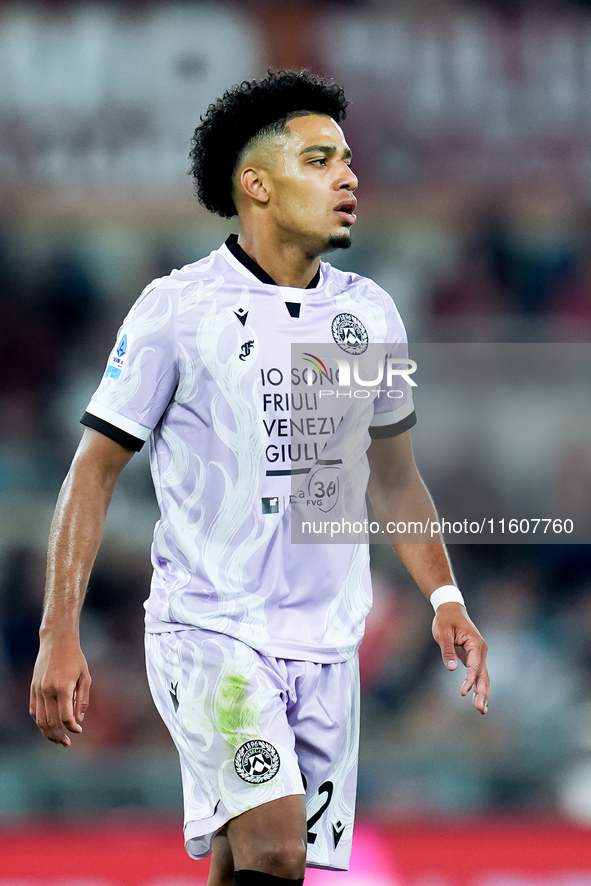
{"points": [[287, 860]]}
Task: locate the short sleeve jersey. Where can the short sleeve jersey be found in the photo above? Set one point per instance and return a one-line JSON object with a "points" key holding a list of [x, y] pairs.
{"points": [[202, 367]]}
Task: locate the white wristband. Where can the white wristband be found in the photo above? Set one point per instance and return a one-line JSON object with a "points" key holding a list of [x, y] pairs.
{"points": [[446, 594]]}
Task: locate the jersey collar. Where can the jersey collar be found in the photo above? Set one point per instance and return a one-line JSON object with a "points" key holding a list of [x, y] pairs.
{"points": [[251, 265]]}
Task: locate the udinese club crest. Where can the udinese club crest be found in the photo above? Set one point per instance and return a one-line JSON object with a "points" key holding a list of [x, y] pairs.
{"points": [[256, 761], [350, 334]]}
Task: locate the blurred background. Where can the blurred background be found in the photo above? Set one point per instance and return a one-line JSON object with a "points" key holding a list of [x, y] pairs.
{"points": [[470, 124]]}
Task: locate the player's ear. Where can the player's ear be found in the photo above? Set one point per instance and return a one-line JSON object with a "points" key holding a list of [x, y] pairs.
{"points": [[253, 182]]}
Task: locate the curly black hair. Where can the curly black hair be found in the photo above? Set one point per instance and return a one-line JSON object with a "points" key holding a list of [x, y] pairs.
{"points": [[243, 112]]}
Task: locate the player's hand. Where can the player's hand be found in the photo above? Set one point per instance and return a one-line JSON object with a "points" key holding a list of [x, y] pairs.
{"points": [[60, 689], [458, 637]]}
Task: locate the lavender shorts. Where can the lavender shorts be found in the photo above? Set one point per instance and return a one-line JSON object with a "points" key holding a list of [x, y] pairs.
{"points": [[250, 729]]}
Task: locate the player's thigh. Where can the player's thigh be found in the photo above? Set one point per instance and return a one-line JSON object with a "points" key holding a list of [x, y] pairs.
{"points": [[225, 708], [221, 868], [325, 720]]}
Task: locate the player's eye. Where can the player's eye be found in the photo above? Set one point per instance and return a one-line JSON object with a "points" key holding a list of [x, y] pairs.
{"points": [[321, 161]]}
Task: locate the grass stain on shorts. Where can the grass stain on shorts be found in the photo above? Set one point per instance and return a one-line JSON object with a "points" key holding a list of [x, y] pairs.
{"points": [[236, 715]]}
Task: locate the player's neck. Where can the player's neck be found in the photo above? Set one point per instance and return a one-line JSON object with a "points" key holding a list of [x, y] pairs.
{"points": [[286, 263]]}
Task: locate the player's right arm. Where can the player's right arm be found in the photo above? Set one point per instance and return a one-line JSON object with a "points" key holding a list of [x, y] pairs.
{"points": [[61, 680]]}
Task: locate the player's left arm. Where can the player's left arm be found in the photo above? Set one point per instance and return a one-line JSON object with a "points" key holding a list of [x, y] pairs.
{"points": [[398, 495]]}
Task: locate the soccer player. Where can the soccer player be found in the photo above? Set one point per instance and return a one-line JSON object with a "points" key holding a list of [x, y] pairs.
{"points": [[251, 640]]}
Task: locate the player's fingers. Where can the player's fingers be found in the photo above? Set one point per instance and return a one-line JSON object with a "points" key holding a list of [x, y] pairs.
{"points": [[472, 665], [48, 719], [82, 698], [482, 691], [445, 640], [476, 673], [37, 708], [65, 711], [33, 702]]}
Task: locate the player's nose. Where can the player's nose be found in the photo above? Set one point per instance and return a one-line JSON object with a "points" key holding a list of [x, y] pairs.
{"points": [[348, 179]]}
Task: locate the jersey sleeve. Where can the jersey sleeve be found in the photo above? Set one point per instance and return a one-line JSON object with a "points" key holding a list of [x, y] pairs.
{"points": [[394, 410], [142, 372]]}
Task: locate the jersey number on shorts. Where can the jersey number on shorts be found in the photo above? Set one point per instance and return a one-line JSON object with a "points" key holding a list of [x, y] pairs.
{"points": [[326, 788]]}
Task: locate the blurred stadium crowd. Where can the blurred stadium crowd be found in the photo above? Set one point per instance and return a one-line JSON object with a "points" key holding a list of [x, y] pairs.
{"points": [[506, 263]]}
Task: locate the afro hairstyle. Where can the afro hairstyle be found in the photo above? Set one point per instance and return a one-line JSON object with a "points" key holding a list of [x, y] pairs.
{"points": [[243, 112]]}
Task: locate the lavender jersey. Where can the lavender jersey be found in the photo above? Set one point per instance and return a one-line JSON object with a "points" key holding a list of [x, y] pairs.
{"points": [[203, 368]]}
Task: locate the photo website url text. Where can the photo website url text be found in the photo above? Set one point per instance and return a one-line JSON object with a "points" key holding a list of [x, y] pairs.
{"points": [[432, 528]]}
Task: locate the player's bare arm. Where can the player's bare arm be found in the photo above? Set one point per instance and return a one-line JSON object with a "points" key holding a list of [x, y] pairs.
{"points": [[398, 493], [61, 680]]}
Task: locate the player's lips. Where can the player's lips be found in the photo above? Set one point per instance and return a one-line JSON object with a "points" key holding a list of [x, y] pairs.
{"points": [[346, 209]]}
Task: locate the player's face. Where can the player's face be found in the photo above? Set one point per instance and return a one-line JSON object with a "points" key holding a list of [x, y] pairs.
{"points": [[312, 185]]}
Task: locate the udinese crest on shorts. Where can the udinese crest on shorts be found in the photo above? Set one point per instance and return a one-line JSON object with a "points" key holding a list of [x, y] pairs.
{"points": [[256, 761], [350, 334]]}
